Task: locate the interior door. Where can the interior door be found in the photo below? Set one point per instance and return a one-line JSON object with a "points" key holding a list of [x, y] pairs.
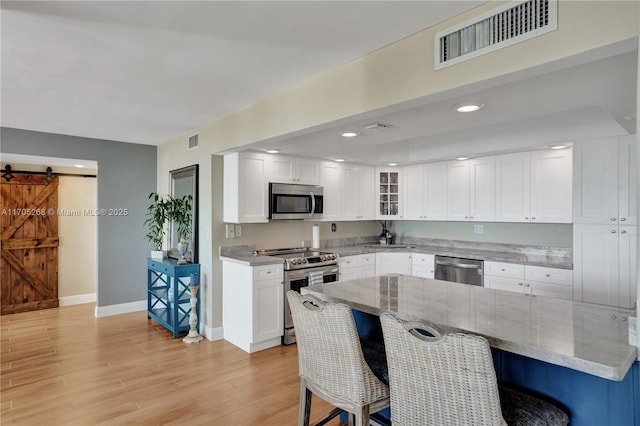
{"points": [[29, 234]]}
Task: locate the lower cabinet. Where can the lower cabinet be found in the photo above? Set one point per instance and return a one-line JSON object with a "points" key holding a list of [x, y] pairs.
{"points": [[422, 265], [526, 279], [252, 305], [605, 264], [358, 266], [393, 263]]}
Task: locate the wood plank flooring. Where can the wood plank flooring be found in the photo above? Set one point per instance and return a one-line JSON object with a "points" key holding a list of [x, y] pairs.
{"points": [[63, 366]]}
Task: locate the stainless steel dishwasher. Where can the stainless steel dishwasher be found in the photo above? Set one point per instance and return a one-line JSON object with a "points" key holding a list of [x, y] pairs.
{"points": [[459, 270]]}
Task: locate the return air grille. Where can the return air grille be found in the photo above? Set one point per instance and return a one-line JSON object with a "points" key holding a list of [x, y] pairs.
{"points": [[509, 24], [193, 142]]}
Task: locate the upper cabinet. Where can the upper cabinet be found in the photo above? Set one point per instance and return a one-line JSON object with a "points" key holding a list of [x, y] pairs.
{"points": [[533, 187], [359, 192], [348, 191], [287, 169], [425, 189], [388, 197], [470, 189], [605, 175], [246, 187]]}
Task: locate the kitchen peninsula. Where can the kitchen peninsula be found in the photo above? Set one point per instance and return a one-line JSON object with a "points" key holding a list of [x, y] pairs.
{"points": [[574, 352]]}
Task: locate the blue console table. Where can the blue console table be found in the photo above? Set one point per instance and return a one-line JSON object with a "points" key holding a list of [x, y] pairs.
{"points": [[168, 296]]}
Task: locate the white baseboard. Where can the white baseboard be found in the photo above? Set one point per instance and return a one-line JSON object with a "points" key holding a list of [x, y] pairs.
{"points": [[123, 308], [212, 333], [78, 299]]}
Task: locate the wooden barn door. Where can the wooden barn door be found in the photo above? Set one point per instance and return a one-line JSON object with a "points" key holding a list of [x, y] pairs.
{"points": [[29, 231]]}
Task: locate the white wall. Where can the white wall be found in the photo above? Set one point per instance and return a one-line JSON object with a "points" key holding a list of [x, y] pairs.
{"points": [[77, 262]]}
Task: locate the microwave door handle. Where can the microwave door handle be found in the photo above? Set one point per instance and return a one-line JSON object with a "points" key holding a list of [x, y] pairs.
{"points": [[313, 204]]}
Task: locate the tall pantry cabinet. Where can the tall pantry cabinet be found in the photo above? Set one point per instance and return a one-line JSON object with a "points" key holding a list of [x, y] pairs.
{"points": [[604, 217]]}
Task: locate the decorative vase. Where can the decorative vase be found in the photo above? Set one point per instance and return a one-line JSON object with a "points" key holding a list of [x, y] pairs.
{"points": [[182, 247]]}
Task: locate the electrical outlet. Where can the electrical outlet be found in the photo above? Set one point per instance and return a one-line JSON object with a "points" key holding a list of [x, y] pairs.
{"points": [[478, 229], [229, 231], [238, 231]]}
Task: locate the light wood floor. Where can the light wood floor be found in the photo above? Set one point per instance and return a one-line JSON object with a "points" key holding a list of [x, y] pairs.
{"points": [[63, 366]]}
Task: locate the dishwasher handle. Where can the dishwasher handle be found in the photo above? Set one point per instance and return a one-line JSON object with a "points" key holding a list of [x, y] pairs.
{"points": [[458, 265]]}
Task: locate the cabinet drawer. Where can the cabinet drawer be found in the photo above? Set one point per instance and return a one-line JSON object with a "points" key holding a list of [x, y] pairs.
{"points": [[358, 260], [268, 272], [505, 283], [503, 269], [422, 259], [549, 275]]}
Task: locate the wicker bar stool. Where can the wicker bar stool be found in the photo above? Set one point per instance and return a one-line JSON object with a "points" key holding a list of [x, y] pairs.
{"points": [[331, 363], [450, 380]]}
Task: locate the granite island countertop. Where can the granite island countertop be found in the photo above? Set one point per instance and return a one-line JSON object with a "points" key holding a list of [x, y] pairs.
{"points": [[581, 336]]}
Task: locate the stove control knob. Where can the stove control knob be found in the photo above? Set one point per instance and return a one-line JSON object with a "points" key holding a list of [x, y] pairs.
{"points": [[303, 261]]}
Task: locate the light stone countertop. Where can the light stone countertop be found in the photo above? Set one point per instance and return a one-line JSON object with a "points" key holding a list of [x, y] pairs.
{"points": [[584, 337], [538, 256]]}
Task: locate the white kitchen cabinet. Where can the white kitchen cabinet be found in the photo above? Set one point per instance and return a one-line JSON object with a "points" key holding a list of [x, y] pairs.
{"points": [[287, 169], [605, 264], [551, 186], [245, 187], [471, 189], [425, 191], [359, 192], [331, 180], [358, 266], [529, 280], [393, 263], [605, 179], [534, 187], [422, 265], [388, 193], [253, 305]]}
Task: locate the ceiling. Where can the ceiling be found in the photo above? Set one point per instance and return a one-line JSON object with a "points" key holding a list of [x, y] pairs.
{"points": [[146, 72]]}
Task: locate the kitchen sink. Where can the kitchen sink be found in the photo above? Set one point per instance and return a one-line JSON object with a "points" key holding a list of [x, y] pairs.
{"points": [[391, 246]]}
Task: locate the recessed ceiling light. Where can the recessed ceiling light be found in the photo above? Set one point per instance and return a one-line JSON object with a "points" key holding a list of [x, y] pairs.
{"points": [[339, 160], [349, 134], [558, 147], [80, 166], [273, 151], [462, 158], [393, 164], [468, 107]]}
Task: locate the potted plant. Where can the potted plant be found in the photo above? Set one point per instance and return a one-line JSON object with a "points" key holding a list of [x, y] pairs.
{"points": [[180, 212], [157, 216]]}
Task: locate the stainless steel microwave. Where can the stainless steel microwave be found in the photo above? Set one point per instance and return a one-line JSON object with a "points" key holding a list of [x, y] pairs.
{"points": [[295, 201]]}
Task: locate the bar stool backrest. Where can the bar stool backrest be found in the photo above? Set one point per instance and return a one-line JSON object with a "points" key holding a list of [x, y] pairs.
{"points": [[440, 380]]}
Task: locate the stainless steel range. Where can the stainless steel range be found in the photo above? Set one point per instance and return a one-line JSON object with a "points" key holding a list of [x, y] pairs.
{"points": [[302, 267]]}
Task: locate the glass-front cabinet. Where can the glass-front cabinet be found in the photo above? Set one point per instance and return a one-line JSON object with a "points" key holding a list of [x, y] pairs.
{"points": [[388, 193]]}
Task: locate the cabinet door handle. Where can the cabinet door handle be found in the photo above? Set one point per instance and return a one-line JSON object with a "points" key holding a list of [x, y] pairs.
{"points": [[547, 275], [623, 232], [520, 284], [622, 219], [613, 219], [502, 269], [527, 285], [613, 231], [533, 218], [526, 218]]}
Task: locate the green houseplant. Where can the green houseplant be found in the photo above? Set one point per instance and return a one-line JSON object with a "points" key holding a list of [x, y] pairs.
{"points": [[157, 217]]}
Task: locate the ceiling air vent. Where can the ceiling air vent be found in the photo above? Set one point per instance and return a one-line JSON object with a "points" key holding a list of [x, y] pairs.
{"points": [[193, 141], [511, 23], [376, 127]]}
